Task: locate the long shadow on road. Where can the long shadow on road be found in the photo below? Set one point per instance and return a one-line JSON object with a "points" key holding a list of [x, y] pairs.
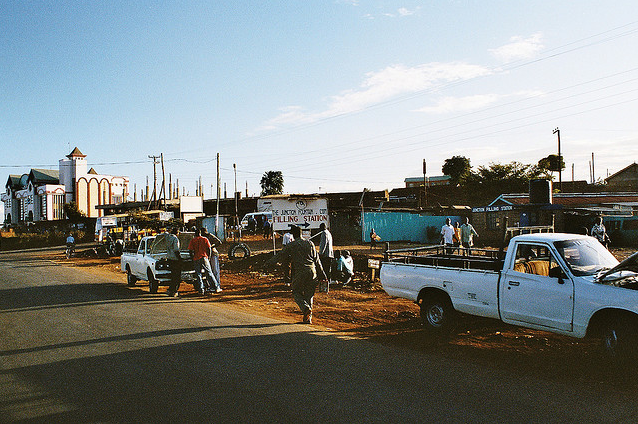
{"points": [[296, 376]]}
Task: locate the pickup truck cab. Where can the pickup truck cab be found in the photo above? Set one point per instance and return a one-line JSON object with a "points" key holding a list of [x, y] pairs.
{"points": [[149, 262], [563, 283]]}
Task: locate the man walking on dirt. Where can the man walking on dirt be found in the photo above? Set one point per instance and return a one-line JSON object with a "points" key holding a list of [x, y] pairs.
{"points": [[305, 267], [174, 261]]}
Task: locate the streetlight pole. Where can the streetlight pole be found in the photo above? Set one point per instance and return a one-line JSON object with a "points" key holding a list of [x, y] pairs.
{"points": [[560, 162]]}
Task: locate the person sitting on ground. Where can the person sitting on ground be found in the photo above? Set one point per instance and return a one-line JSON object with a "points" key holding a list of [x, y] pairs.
{"points": [[345, 267]]}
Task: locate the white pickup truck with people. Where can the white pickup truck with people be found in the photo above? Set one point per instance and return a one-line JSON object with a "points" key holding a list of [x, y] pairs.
{"points": [[563, 283], [149, 262]]}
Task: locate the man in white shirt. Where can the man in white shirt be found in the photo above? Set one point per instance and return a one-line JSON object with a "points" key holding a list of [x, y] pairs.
{"points": [[447, 236], [325, 250]]}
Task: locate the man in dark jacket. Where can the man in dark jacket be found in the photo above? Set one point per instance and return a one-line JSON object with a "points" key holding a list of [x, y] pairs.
{"points": [[306, 266]]}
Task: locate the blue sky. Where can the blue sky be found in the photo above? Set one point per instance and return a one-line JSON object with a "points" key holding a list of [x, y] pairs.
{"points": [[338, 95]]}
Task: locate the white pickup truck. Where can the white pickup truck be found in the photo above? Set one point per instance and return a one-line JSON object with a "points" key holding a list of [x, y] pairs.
{"points": [[149, 262], [563, 283]]}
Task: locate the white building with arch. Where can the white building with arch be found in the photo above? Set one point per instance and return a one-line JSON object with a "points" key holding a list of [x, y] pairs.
{"points": [[41, 194]]}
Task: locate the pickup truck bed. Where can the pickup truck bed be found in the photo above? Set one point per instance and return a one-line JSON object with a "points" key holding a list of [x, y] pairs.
{"points": [[435, 256]]}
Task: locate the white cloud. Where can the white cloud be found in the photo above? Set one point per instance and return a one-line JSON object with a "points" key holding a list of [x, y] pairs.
{"points": [[519, 48], [460, 104], [405, 12], [478, 101], [401, 12], [378, 87]]}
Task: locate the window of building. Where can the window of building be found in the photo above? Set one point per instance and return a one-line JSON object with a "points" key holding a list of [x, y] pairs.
{"points": [[492, 221], [57, 206]]}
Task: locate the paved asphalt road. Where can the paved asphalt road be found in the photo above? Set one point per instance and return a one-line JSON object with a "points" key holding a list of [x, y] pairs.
{"points": [[76, 348]]}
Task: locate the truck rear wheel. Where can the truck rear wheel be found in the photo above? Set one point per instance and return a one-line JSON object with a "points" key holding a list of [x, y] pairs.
{"points": [[153, 284], [437, 314]]}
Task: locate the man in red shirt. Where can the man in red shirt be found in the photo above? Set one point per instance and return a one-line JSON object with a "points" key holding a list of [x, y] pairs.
{"points": [[200, 249]]}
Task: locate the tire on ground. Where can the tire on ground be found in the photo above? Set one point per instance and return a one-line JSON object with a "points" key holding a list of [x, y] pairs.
{"points": [[437, 314], [238, 251], [130, 278], [618, 337]]}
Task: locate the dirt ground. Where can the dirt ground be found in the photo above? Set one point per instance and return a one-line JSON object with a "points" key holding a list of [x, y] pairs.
{"points": [[365, 311]]}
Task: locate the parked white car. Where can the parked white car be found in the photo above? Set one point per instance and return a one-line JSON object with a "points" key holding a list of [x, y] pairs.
{"points": [[563, 283], [149, 262]]}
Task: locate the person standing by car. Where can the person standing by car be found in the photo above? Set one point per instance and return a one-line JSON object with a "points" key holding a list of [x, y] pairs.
{"points": [[174, 261], [305, 267], [600, 232], [214, 254], [199, 248]]}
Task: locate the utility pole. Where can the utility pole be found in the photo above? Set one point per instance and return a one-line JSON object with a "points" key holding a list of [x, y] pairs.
{"points": [[593, 169], [236, 200], [425, 184], [163, 190], [155, 162], [218, 192], [560, 161]]}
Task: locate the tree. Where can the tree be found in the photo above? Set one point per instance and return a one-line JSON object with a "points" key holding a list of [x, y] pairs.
{"points": [[551, 164], [458, 168], [72, 212], [490, 181], [272, 182]]}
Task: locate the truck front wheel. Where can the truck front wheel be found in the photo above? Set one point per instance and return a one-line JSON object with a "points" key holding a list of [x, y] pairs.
{"points": [[153, 284], [130, 278], [437, 314], [619, 339]]}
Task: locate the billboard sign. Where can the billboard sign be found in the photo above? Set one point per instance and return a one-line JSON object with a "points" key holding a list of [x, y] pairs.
{"points": [[307, 213]]}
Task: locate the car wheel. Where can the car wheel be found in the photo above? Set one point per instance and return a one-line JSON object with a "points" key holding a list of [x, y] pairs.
{"points": [[153, 283], [238, 251], [130, 278], [437, 314], [618, 339]]}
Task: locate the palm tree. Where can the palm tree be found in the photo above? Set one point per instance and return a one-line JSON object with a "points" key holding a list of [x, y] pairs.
{"points": [[272, 182]]}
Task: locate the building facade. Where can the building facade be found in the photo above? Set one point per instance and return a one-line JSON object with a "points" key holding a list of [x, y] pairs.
{"points": [[41, 194]]}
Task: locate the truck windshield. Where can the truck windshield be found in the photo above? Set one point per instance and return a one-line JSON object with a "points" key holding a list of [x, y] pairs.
{"points": [[585, 256]]}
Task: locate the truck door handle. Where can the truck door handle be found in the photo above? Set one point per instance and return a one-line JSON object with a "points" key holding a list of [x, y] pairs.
{"points": [[514, 283]]}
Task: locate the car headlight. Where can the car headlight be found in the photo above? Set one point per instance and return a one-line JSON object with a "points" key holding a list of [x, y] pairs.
{"points": [[161, 265]]}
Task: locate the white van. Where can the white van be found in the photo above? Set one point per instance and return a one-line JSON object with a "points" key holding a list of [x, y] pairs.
{"points": [[259, 217]]}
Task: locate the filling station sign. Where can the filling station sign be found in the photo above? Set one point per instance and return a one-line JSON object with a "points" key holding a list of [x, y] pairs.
{"points": [[304, 213]]}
